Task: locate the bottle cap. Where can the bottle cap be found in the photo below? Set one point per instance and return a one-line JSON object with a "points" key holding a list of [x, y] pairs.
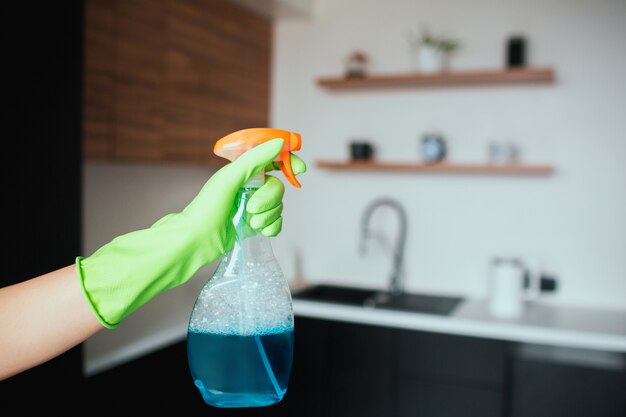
{"points": [[234, 144]]}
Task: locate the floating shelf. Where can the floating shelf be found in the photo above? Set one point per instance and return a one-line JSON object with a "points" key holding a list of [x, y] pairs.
{"points": [[414, 79], [495, 169]]}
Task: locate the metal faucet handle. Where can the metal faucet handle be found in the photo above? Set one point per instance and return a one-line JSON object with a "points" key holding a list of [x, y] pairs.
{"points": [[368, 235], [396, 279]]}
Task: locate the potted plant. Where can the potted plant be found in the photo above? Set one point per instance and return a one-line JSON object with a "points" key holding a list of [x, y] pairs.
{"points": [[431, 53]]}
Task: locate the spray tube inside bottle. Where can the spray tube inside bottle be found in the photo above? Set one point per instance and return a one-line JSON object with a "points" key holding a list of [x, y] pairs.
{"points": [[240, 335]]}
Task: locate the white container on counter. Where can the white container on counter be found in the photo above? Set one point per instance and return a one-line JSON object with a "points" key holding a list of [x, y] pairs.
{"points": [[506, 288]]}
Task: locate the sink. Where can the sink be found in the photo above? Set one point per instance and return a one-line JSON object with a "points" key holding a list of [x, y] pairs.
{"points": [[419, 303], [370, 298], [335, 294]]}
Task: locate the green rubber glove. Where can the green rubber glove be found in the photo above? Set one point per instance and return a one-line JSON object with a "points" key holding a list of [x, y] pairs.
{"points": [[130, 270]]}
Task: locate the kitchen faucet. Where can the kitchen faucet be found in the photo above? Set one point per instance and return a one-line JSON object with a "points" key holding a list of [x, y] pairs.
{"points": [[396, 282]]}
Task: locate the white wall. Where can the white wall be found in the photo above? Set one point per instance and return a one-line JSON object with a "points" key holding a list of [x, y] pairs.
{"points": [[573, 222]]}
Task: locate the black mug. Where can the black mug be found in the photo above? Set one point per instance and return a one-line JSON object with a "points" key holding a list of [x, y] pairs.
{"points": [[361, 151]]}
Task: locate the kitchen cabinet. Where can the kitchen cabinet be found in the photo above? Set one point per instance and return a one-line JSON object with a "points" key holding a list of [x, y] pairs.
{"points": [[361, 371], [381, 371], [160, 382], [308, 393], [164, 79], [351, 369], [367, 370], [549, 382], [447, 375]]}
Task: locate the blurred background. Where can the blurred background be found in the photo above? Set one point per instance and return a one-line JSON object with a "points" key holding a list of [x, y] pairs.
{"points": [[495, 130]]}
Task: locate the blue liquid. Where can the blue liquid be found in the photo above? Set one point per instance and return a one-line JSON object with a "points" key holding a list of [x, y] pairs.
{"points": [[240, 371]]}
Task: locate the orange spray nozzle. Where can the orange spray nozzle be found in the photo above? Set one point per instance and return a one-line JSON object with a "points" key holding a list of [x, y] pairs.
{"points": [[236, 143]]}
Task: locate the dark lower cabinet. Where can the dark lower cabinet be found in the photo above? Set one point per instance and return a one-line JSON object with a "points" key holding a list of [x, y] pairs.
{"points": [[365, 370], [568, 383], [425, 397], [160, 382], [439, 375], [347, 369], [361, 371], [386, 372], [155, 383], [308, 394]]}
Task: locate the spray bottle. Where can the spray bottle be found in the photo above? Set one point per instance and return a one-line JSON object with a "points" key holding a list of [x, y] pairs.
{"points": [[240, 333]]}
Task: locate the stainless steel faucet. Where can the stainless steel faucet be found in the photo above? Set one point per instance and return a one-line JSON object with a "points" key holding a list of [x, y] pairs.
{"points": [[396, 280]]}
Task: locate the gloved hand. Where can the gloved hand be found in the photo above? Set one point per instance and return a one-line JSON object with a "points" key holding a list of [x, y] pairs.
{"points": [[130, 270]]}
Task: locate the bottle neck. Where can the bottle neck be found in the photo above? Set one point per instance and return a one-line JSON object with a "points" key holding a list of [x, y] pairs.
{"points": [[256, 181], [250, 247], [241, 219]]}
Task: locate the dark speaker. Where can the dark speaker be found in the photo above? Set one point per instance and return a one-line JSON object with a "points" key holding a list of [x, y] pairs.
{"points": [[516, 52]]}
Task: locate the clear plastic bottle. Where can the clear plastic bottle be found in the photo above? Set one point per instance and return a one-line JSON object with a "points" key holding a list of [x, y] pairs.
{"points": [[240, 336]]}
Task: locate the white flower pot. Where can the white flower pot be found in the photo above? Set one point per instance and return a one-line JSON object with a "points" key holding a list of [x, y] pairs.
{"points": [[429, 60]]}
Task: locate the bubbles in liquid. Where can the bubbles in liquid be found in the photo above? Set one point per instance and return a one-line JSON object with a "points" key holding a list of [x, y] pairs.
{"points": [[249, 298]]}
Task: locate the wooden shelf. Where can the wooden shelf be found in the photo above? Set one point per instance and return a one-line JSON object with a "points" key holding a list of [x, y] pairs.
{"points": [[498, 76], [454, 168]]}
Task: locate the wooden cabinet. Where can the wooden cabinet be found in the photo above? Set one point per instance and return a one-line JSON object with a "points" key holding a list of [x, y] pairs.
{"points": [[164, 79]]}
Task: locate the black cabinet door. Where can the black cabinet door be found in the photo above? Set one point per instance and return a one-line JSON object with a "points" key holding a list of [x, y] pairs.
{"points": [[433, 397], [307, 394], [566, 386], [454, 358], [442, 375], [361, 376], [365, 370], [160, 382]]}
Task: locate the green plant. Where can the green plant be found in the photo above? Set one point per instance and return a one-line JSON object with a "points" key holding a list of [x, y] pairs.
{"points": [[425, 38]]}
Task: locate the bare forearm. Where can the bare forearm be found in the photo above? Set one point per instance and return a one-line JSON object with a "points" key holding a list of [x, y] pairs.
{"points": [[41, 318]]}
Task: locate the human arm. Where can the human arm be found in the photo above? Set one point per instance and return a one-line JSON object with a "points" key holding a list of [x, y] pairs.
{"points": [[45, 316], [42, 318]]}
